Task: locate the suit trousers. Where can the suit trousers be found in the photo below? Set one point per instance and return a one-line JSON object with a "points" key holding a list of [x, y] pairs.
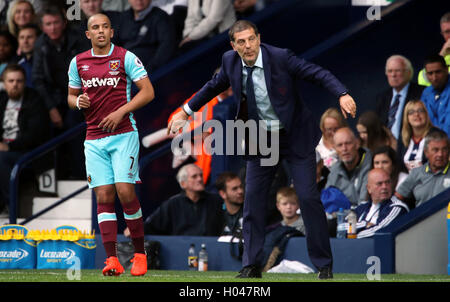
{"points": [[258, 181]]}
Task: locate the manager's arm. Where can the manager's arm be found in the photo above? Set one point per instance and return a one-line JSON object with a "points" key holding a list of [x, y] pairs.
{"points": [[319, 76], [210, 90]]}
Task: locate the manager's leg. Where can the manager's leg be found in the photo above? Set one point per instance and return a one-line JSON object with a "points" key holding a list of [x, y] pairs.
{"points": [[303, 172], [258, 181]]}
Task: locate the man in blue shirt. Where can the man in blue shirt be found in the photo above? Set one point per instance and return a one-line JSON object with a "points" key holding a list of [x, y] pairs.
{"points": [[437, 96]]}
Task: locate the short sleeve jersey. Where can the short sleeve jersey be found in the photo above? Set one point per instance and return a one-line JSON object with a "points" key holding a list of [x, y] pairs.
{"points": [[107, 81]]}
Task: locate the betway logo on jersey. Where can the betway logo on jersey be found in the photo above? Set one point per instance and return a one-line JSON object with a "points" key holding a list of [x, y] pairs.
{"points": [[15, 255], [96, 82]]}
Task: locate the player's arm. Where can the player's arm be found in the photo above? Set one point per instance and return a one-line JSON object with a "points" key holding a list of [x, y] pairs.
{"points": [[77, 100], [145, 95]]}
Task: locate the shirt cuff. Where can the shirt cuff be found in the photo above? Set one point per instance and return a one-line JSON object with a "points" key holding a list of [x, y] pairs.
{"points": [[187, 109]]}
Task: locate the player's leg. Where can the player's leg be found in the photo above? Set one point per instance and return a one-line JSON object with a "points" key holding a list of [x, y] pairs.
{"points": [[124, 160], [107, 222], [133, 218], [101, 179]]}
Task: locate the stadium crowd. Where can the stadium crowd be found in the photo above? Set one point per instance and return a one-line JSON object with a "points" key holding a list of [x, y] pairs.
{"points": [[397, 159]]}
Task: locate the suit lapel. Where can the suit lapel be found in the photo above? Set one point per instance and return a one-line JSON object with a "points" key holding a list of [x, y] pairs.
{"points": [[237, 79], [267, 71]]}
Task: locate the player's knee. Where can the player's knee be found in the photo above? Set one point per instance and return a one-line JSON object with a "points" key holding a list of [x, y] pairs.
{"points": [[126, 193], [105, 196]]}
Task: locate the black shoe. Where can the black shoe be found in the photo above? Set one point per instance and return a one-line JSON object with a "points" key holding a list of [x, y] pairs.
{"points": [[250, 271], [325, 273]]}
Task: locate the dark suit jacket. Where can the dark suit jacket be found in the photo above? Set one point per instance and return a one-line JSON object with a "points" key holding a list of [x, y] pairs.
{"points": [[383, 101], [282, 70], [33, 121]]}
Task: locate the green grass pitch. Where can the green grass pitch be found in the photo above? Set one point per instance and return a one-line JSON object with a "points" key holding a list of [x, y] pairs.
{"points": [[189, 276]]}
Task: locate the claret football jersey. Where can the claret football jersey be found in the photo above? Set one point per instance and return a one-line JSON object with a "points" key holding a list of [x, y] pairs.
{"points": [[107, 81]]}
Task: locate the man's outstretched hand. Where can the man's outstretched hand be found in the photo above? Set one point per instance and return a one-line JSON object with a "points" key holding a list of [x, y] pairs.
{"points": [[177, 122], [348, 105]]}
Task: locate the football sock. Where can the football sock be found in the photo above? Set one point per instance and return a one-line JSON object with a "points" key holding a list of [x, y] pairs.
{"points": [[133, 218], [107, 222]]}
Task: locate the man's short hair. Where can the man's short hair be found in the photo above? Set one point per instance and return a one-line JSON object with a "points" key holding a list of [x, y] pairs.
{"points": [[31, 26], [239, 26], [12, 68], [53, 11], [405, 61], [436, 135], [445, 18], [435, 58], [182, 173], [223, 178], [285, 192]]}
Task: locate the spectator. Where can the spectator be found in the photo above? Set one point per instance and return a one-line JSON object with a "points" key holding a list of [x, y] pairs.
{"points": [[27, 38], [230, 188], [330, 121], [8, 47], [425, 182], [205, 19], [422, 78], [373, 133], [390, 103], [3, 12], [291, 225], [416, 125], [177, 11], [146, 30], [349, 174], [386, 158], [115, 5], [382, 208], [88, 9], [245, 8], [24, 124], [53, 51], [20, 13], [193, 212], [437, 96]]}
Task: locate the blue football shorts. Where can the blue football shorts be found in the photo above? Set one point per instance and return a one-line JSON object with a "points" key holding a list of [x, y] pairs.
{"points": [[112, 159]]}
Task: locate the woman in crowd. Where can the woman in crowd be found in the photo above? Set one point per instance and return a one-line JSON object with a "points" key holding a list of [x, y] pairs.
{"points": [[331, 120], [416, 125], [373, 133], [20, 13], [386, 158]]}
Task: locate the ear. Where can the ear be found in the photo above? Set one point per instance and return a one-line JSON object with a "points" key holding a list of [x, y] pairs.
{"points": [[88, 35], [183, 185], [222, 194], [112, 33], [232, 46]]}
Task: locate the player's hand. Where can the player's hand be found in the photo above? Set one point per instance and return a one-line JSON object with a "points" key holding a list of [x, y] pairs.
{"points": [[111, 121], [347, 105], [84, 101], [177, 122], [56, 118]]}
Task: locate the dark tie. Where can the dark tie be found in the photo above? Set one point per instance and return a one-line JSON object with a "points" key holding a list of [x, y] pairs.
{"points": [[393, 111], [251, 100]]}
